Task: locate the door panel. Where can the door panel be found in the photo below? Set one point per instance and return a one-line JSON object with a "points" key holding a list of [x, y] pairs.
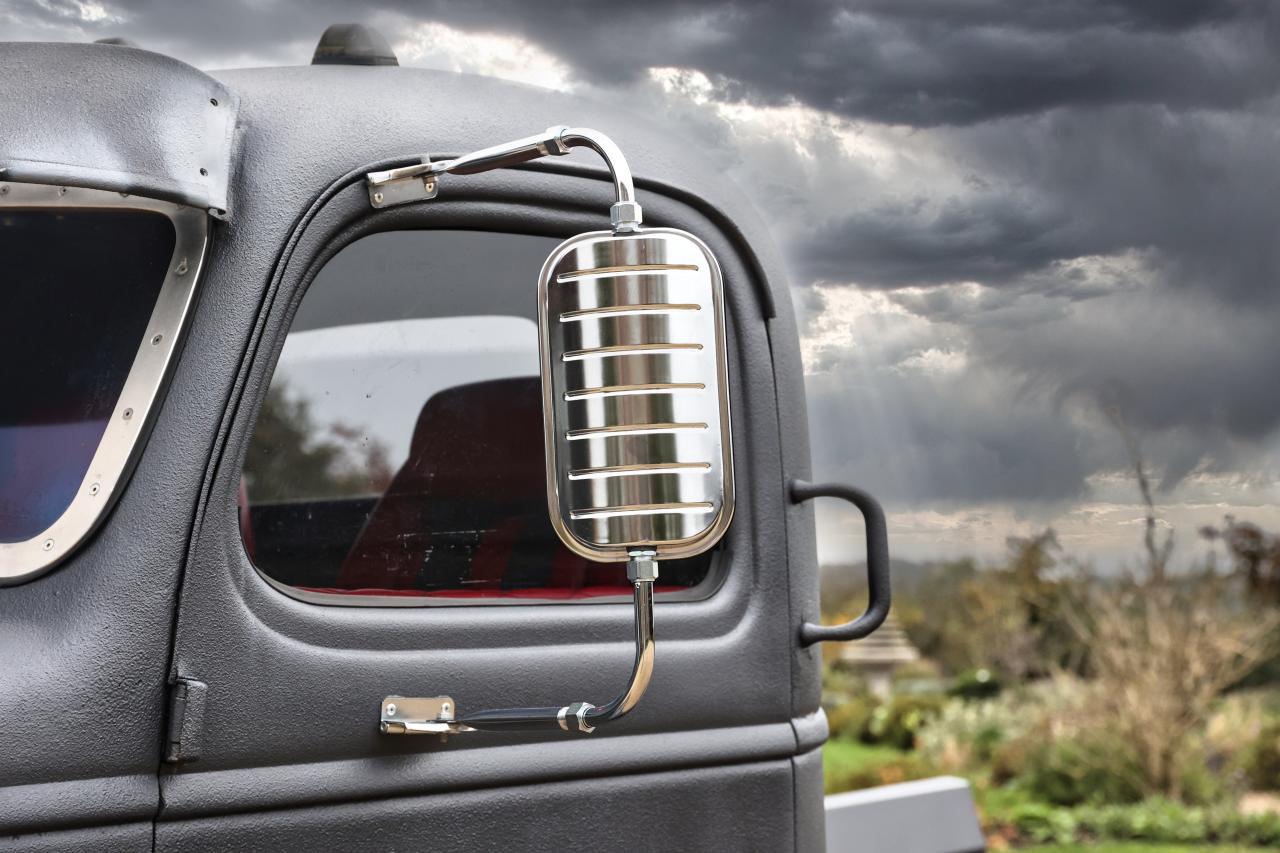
{"points": [[291, 710]]}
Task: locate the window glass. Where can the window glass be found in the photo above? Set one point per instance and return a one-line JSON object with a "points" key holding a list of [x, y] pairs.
{"points": [[399, 451], [78, 290]]}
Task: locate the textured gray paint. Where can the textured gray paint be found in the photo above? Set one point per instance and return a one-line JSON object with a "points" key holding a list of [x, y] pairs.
{"points": [[808, 789], [737, 808], [114, 118], [122, 838]]}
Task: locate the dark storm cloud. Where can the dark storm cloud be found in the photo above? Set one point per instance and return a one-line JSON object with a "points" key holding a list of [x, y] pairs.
{"points": [[1195, 191], [1024, 418], [919, 62]]}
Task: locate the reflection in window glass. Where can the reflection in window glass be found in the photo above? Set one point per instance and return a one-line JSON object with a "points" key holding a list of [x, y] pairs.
{"points": [[78, 290], [398, 450]]}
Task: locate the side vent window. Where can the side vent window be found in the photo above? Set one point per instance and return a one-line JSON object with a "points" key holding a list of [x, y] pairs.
{"points": [[95, 290], [398, 453]]}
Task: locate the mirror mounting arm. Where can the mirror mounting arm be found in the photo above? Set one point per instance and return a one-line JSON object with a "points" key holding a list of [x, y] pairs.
{"points": [[418, 181], [679, 499], [584, 717]]}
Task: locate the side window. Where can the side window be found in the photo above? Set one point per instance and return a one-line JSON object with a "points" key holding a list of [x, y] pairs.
{"points": [[398, 451], [95, 290]]}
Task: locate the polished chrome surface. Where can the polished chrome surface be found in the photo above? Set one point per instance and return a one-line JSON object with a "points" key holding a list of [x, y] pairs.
{"points": [[438, 715], [416, 182], [119, 446], [642, 670], [405, 715], [635, 397]]}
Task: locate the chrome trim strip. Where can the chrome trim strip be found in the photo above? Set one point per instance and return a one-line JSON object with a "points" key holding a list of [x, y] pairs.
{"points": [[628, 349], [627, 390], [629, 429], [626, 311], [629, 269], [120, 446], [642, 509], [637, 470]]}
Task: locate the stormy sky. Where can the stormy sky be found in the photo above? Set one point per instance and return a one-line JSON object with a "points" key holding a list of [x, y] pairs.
{"points": [[1011, 224]]}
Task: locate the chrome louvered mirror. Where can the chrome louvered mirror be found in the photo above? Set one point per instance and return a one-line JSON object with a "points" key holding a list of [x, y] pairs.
{"points": [[634, 397], [635, 407]]}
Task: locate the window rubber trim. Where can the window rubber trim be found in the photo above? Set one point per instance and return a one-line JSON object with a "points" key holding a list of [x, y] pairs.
{"points": [[133, 415]]}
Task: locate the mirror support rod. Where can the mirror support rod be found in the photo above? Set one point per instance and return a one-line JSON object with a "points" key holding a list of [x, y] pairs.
{"points": [[437, 716], [642, 571], [417, 182]]}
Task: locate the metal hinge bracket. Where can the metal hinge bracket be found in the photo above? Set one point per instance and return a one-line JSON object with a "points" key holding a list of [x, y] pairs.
{"points": [[404, 715], [402, 186]]}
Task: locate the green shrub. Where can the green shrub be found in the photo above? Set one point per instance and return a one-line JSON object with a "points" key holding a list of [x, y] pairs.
{"points": [[1154, 821], [976, 684], [967, 736], [1071, 771], [1261, 759], [850, 719], [896, 722], [1044, 824], [1262, 830]]}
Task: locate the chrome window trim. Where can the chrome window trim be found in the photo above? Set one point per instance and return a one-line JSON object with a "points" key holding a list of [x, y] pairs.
{"points": [[120, 444]]}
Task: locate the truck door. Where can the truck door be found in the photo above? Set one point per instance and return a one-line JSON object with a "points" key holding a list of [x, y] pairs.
{"points": [[376, 525]]}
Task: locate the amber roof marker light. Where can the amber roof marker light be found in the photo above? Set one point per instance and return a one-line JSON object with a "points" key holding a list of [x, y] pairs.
{"points": [[635, 407]]}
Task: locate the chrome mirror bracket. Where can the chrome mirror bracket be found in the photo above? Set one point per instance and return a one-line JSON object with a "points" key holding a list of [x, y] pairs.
{"points": [[633, 315], [438, 715], [418, 181]]}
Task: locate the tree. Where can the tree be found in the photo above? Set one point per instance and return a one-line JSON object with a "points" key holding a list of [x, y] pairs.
{"points": [[291, 457], [1163, 648], [1256, 555]]}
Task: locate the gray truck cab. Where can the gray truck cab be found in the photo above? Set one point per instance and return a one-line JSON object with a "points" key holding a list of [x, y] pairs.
{"points": [[274, 447]]}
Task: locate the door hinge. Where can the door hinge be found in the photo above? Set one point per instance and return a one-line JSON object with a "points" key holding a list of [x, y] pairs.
{"points": [[186, 720]]}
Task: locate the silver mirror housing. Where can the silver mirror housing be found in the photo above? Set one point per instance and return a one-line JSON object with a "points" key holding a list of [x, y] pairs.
{"points": [[635, 394]]}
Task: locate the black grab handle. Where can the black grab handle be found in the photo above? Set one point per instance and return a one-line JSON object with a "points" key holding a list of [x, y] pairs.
{"points": [[878, 596]]}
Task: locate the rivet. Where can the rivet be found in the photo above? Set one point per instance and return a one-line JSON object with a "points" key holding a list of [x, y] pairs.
{"points": [[182, 267], [444, 707], [391, 709], [4, 190], [95, 488], [430, 186], [62, 190], [377, 198], [48, 545], [128, 413], [156, 339]]}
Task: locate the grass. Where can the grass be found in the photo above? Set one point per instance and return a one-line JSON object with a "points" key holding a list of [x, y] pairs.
{"points": [[848, 765], [1138, 847], [855, 754]]}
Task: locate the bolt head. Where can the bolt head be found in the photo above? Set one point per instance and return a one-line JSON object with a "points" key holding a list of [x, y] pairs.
{"points": [[626, 216]]}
